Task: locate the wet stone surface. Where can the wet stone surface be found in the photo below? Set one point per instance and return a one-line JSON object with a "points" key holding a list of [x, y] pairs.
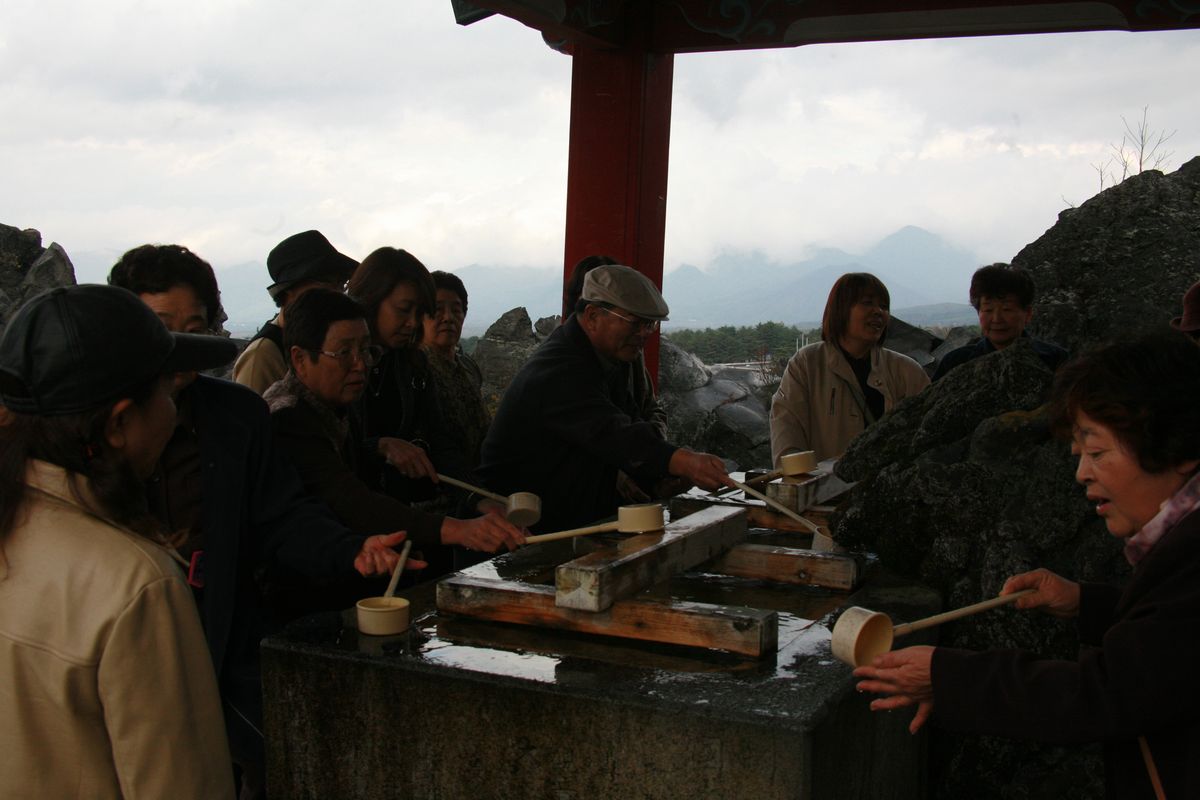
{"points": [[593, 698]]}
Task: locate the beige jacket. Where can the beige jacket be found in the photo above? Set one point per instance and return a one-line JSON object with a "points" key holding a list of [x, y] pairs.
{"points": [[107, 689], [819, 404], [260, 364]]}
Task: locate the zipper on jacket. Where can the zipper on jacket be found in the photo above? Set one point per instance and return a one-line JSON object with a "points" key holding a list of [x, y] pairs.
{"points": [[832, 396]]}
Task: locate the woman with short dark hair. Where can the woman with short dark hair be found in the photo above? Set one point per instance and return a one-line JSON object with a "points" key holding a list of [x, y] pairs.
{"points": [[1130, 412], [833, 389], [107, 675]]}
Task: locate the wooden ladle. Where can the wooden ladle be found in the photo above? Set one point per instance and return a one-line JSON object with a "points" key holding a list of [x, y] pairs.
{"points": [[630, 519], [387, 615], [860, 634], [789, 465], [521, 508]]}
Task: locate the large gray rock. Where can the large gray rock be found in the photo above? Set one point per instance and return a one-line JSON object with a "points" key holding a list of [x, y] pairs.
{"points": [[713, 413], [28, 269], [1119, 264], [503, 350], [960, 487]]}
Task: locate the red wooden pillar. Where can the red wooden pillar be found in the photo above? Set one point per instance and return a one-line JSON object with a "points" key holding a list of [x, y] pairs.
{"points": [[617, 163]]}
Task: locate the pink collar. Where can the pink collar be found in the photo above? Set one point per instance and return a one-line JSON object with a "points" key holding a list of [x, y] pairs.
{"points": [[1178, 506]]}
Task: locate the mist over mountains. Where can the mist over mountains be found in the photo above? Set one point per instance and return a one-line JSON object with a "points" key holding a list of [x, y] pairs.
{"points": [[927, 278]]}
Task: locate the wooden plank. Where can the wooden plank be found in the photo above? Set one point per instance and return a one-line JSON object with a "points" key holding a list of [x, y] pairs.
{"points": [[788, 565], [595, 581], [745, 631], [757, 514]]}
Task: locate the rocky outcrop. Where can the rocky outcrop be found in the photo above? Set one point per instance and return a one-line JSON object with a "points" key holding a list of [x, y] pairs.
{"points": [[27, 269], [1118, 265], [717, 413], [504, 349], [960, 487]]}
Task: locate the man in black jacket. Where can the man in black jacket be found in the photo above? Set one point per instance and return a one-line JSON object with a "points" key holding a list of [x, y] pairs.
{"points": [[569, 420]]}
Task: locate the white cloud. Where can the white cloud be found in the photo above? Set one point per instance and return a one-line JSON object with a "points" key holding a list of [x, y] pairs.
{"points": [[231, 124]]}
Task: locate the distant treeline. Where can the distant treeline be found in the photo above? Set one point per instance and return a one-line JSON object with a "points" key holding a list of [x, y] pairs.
{"points": [[727, 344]]}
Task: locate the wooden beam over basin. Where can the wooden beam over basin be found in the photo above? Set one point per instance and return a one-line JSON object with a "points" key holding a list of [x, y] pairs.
{"points": [[597, 580], [788, 565]]}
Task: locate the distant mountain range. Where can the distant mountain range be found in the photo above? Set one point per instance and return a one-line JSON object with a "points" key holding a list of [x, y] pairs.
{"points": [[927, 278]]}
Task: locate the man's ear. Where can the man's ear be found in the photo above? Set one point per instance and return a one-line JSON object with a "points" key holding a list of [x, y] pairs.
{"points": [[299, 359], [117, 424]]}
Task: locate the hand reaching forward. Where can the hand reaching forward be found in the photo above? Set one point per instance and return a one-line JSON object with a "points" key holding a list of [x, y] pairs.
{"points": [[1053, 594], [378, 558], [703, 469], [409, 459], [903, 675]]}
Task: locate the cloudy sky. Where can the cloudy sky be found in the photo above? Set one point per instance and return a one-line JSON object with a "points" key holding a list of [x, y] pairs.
{"points": [[230, 124]]}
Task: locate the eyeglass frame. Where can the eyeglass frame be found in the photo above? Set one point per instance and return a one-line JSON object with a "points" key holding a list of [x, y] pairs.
{"points": [[639, 324], [369, 355]]}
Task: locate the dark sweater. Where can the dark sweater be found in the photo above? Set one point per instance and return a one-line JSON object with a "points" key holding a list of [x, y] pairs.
{"points": [[1134, 676], [322, 444]]}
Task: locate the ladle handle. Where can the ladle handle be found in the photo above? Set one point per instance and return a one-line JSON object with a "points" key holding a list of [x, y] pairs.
{"points": [[391, 590], [499, 498], [958, 613], [778, 506], [550, 537], [770, 476]]}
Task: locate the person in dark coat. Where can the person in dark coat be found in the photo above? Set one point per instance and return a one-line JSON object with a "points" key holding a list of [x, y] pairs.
{"points": [[406, 442], [239, 506], [1130, 409], [1003, 296], [330, 350], [568, 421]]}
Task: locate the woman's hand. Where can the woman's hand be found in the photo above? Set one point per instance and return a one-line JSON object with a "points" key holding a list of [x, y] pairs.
{"points": [[409, 460], [903, 675], [378, 558], [1053, 594], [487, 533]]}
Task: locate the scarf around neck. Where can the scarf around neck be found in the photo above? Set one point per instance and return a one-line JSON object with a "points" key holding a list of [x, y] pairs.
{"points": [[1178, 506]]}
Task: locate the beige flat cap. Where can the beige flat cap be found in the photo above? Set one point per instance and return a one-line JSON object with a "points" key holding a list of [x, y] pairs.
{"points": [[625, 287]]}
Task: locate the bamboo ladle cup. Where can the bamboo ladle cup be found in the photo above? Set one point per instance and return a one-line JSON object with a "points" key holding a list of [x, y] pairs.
{"points": [[641, 518], [383, 616], [789, 465], [521, 508], [860, 634]]}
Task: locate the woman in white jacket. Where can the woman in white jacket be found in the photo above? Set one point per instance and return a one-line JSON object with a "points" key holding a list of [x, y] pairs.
{"points": [[108, 687], [833, 389]]}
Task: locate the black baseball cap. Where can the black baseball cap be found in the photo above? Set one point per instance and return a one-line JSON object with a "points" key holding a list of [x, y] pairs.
{"points": [[74, 349], [307, 256]]}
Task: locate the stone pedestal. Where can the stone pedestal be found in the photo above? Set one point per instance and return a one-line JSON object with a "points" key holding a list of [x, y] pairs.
{"points": [[457, 708]]}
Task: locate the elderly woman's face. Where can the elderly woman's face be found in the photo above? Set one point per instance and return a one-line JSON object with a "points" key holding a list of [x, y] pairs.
{"points": [[444, 328], [1125, 494]]}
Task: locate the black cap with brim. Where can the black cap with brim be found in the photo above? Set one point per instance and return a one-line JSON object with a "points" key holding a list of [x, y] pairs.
{"points": [[75, 349], [307, 256]]}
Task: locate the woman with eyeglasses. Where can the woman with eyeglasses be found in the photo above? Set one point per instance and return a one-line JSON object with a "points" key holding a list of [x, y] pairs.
{"points": [[331, 353], [833, 389]]}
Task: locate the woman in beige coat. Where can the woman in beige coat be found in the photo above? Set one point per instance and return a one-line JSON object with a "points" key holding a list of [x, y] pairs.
{"points": [[108, 687], [833, 389]]}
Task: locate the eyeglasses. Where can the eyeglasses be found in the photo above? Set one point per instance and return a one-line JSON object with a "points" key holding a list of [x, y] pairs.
{"points": [[643, 325], [370, 355]]}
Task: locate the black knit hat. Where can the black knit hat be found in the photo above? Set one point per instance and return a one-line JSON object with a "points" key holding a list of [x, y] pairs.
{"points": [[71, 350], [306, 256]]}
